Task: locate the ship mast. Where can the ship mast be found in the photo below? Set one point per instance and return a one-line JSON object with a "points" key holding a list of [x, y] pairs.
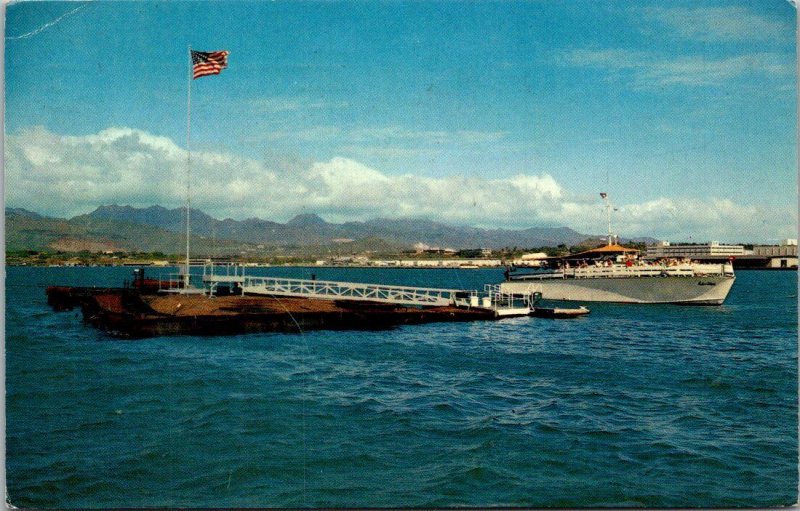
{"points": [[604, 195]]}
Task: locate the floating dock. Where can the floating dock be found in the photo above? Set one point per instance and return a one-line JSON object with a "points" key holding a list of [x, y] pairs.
{"points": [[232, 304], [127, 314]]}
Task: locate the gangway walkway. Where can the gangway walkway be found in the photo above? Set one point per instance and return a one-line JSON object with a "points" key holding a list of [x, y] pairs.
{"points": [[400, 295], [504, 304]]}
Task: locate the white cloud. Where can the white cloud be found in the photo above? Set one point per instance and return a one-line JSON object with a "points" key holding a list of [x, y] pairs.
{"points": [[277, 104], [391, 142], [647, 71], [66, 175], [719, 25], [708, 72], [397, 133], [305, 135], [709, 219], [389, 135], [714, 24]]}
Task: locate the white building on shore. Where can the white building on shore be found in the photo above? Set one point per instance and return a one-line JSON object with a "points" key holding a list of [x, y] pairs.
{"points": [[780, 256], [664, 249]]}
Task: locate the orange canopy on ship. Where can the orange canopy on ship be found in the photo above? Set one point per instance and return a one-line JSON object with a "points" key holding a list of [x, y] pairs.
{"points": [[609, 249]]}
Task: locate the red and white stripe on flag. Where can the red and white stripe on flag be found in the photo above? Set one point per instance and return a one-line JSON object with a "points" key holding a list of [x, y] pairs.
{"points": [[206, 63]]}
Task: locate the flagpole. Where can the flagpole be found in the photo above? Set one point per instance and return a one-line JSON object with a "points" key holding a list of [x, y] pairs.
{"points": [[608, 215], [188, 162]]}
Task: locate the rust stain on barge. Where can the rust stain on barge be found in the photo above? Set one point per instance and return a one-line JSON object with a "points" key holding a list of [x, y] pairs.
{"points": [[130, 313]]}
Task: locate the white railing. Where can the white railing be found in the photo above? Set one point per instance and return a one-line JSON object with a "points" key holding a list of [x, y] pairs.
{"points": [[500, 299], [622, 271], [204, 282], [507, 304], [503, 304], [617, 271], [401, 295], [683, 270]]}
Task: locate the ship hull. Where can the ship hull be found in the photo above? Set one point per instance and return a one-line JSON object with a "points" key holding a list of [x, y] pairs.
{"points": [[711, 290]]}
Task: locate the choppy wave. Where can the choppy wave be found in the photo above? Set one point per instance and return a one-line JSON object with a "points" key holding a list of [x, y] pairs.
{"points": [[630, 406]]}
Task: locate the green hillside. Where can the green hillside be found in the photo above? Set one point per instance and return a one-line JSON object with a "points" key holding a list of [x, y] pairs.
{"points": [[29, 231]]}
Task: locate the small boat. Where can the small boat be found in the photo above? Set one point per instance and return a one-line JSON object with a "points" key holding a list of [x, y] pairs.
{"points": [[559, 313]]}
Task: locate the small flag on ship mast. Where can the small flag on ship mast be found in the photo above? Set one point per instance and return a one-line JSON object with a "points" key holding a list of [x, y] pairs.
{"points": [[206, 63]]}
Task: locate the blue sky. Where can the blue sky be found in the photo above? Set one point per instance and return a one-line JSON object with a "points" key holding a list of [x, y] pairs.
{"points": [[495, 114]]}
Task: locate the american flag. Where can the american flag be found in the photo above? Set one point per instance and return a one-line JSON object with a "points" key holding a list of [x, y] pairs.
{"points": [[208, 63]]}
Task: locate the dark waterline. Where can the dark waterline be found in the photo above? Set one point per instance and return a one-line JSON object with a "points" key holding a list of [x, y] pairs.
{"points": [[631, 406]]}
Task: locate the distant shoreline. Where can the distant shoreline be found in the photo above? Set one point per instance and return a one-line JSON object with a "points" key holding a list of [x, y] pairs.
{"points": [[363, 266], [312, 266]]}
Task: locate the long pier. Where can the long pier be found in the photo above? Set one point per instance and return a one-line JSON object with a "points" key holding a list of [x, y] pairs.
{"points": [[237, 283], [398, 295]]}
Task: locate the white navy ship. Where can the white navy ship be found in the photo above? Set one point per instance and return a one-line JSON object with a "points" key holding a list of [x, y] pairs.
{"points": [[614, 273]]}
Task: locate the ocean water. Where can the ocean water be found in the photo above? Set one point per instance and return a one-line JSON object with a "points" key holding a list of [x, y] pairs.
{"points": [[630, 406]]}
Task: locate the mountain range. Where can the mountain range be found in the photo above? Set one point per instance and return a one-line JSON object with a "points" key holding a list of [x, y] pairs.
{"points": [[27, 230], [310, 229], [155, 228]]}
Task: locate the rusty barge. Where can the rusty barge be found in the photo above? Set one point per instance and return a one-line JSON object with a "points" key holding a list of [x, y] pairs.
{"points": [[128, 313], [231, 303]]}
